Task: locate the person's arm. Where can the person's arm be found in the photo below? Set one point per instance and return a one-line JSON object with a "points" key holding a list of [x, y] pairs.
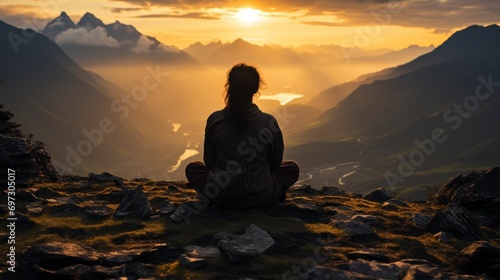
{"points": [[277, 147], [209, 155]]}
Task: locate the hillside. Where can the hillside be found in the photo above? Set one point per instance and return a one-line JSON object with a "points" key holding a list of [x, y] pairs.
{"points": [[405, 105], [81, 117], [102, 226]]}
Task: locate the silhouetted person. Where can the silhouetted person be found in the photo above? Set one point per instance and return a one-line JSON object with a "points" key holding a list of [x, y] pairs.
{"points": [[243, 150]]}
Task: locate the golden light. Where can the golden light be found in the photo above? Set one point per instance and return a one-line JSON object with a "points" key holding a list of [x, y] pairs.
{"points": [[248, 15]]}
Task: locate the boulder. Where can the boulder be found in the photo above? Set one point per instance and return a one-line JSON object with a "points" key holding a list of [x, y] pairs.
{"points": [[23, 154], [417, 272], [421, 220], [481, 257], [475, 190], [454, 219], [201, 252], [98, 211], [239, 248], [378, 195], [134, 204], [60, 254], [35, 208]]}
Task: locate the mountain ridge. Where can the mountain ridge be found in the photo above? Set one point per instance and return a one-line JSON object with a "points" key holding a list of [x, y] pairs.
{"points": [[388, 116]]}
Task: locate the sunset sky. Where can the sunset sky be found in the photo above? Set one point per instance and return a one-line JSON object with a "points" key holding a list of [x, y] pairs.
{"points": [[367, 24]]}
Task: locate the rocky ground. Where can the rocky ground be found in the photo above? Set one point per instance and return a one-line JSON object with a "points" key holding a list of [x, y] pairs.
{"points": [[104, 227]]}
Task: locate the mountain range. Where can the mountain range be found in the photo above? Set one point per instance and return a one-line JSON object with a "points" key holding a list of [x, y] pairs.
{"points": [[87, 122], [422, 121], [91, 42]]}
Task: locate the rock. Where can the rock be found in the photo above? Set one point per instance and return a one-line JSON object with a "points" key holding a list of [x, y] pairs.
{"points": [[100, 272], [35, 208], [26, 196], [397, 202], [481, 257], [353, 228], [330, 210], [379, 270], [378, 195], [167, 207], [180, 214], [389, 207], [24, 220], [369, 254], [417, 272], [73, 270], [103, 177], [454, 220], [444, 237], [473, 190], [23, 154], [325, 273], [141, 270], [66, 209], [46, 193], [135, 204], [421, 220], [366, 219], [67, 200], [124, 256], [60, 254], [334, 191], [307, 207], [242, 247], [306, 188], [302, 209], [99, 212], [201, 252], [192, 263]]}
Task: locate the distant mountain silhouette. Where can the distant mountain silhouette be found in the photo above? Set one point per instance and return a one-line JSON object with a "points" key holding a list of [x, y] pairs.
{"points": [[58, 25], [92, 42], [399, 57], [57, 100], [90, 22], [202, 52], [408, 102], [240, 50]]}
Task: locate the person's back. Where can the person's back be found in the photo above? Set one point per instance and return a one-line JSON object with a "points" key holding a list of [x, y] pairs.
{"points": [[243, 150]]}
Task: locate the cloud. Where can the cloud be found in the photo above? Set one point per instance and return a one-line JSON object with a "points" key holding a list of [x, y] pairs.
{"points": [[82, 36], [440, 15], [143, 45], [24, 16], [120, 10], [186, 15]]}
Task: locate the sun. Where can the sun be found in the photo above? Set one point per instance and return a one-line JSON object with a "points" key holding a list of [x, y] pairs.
{"points": [[248, 15]]}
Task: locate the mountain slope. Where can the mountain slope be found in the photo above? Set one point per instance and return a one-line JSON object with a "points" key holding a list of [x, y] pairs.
{"points": [[412, 100], [81, 117]]}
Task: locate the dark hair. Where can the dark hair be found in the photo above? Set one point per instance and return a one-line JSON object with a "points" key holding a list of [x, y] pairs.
{"points": [[243, 82]]}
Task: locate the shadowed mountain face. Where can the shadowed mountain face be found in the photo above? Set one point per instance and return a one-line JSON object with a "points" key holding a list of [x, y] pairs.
{"points": [[86, 122], [446, 100]]}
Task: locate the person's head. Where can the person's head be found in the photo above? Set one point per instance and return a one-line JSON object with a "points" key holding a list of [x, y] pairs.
{"points": [[243, 82]]}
